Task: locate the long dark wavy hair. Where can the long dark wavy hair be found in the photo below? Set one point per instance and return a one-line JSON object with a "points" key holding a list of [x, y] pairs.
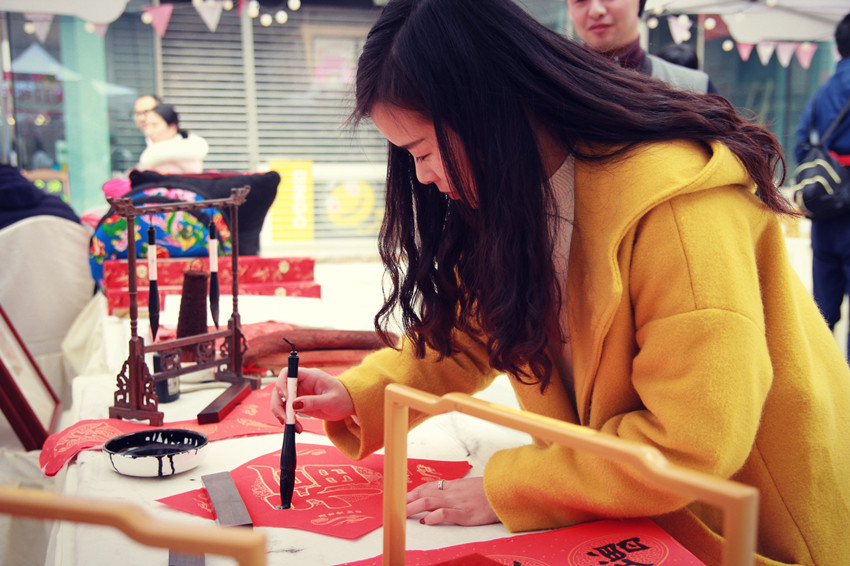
{"points": [[489, 76]]}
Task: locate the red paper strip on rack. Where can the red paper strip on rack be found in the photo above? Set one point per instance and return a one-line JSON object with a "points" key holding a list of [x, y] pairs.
{"points": [[251, 417], [611, 542], [334, 495]]}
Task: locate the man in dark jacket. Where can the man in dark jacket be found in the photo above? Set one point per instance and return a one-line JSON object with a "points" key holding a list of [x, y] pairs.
{"points": [[830, 238], [20, 198]]}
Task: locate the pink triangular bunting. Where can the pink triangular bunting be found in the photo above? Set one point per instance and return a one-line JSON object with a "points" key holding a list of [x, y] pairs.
{"points": [[100, 30], [744, 50], [805, 53], [160, 16]]}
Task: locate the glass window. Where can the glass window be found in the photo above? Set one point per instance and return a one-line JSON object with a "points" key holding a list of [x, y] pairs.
{"points": [[37, 85]]}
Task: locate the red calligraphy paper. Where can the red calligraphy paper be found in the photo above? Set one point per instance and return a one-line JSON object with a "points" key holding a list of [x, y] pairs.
{"points": [[251, 417], [334, 495], [601, 543]]}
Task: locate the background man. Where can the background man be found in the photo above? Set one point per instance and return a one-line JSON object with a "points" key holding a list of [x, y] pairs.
{"points": [[611, 27]]}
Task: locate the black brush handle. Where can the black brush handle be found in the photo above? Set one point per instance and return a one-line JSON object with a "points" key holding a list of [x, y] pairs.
{"points": [[153, 307], [287, 451], [214, 292], [287, 467], [214, 295], [153, 289]]}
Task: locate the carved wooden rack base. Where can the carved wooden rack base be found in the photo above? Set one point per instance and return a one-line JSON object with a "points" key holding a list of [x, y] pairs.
{"points": [[135, 397]]}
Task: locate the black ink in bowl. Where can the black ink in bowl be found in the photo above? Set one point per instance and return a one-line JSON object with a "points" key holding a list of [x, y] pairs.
{"points": [[156, 453]]}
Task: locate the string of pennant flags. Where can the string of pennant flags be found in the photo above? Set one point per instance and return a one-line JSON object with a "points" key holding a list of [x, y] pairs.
{"points": [[680, 26], [158, 17], [715, 28]]}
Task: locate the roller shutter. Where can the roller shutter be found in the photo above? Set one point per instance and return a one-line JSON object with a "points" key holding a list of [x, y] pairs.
{"points": [[303, 73]]}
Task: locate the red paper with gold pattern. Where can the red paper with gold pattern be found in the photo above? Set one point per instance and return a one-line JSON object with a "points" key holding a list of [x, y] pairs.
{"points": [[280, 276], [252, 269], [251, 417], [119, 298], [334, 495], [627, 542]]}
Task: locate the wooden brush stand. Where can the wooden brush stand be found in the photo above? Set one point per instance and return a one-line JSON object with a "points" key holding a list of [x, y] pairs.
{"points": [[135, 397]]}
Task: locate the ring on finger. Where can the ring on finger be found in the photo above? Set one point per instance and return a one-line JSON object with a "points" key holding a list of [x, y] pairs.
{"points": [[440, 484]]}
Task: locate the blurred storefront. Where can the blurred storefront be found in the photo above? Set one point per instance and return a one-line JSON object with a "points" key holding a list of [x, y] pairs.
{"points": [[269, 85], [766, 57]]}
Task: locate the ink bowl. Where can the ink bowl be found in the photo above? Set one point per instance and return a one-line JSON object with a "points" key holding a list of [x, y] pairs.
{"points": [[156, 452]]}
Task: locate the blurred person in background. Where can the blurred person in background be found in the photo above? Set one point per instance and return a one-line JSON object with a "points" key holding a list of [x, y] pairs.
{"points": [[40, 158], [141, 107], [172, 150], [831, 237], [611, 27]]}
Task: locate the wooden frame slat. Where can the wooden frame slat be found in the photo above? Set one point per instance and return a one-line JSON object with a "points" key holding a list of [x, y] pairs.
{"points": [[738, 502]]}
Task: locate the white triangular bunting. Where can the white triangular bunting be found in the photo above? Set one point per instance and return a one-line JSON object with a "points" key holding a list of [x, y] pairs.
{"points": [[41, 23], [679, 32], [765, 49], [210, 12], [784, 51]]}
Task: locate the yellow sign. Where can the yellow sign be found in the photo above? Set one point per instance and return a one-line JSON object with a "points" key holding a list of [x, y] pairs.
{"points": [[352, 205], [292, 213]]}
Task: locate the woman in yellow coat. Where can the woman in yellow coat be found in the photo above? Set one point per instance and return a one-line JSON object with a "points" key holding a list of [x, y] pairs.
{"points": [[612, 245]]}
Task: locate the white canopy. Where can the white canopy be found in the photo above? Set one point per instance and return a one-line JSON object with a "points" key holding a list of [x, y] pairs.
{"points": [[94, 11], [752, 21], [36, 61]]}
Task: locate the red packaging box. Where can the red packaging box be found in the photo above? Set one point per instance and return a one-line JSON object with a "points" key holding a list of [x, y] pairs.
{"points": [[120, 298], [281, 276], [252, 269]]}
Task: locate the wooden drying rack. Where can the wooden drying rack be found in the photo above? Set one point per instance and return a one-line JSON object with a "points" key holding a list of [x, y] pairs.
{"points": [[135, 397], [739, 502]]}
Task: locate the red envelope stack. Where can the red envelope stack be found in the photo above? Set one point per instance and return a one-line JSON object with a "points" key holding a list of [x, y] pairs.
{"points": [[282, 276]]}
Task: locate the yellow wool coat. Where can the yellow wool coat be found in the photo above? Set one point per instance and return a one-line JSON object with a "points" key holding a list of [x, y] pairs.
{"points": [[690, 332]]}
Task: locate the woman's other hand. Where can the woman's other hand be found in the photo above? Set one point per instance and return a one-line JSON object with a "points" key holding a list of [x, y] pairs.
{"points": [[320, 395], [462, 502]]}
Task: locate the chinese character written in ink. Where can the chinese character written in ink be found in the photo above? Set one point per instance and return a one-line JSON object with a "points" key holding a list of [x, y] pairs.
{"points": [[616, 554]]}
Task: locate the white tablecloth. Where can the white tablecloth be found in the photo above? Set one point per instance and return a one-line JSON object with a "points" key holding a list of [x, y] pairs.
{"points": [[449, 437]]}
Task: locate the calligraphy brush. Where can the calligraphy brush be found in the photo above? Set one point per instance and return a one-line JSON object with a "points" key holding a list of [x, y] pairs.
{"points": [[153, 290], [287, 451], [213, 250]]}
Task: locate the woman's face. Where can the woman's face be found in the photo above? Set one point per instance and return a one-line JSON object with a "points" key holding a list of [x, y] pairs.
{"points": [[410, 131], [157, 129]]}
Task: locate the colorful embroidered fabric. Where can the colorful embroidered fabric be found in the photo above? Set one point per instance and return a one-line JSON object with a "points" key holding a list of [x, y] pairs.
{"points": [[178, 234]]}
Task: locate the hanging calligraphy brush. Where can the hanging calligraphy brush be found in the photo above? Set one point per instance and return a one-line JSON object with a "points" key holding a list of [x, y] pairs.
{"points": [[287, 451], [153, 290], [214, 292]]}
